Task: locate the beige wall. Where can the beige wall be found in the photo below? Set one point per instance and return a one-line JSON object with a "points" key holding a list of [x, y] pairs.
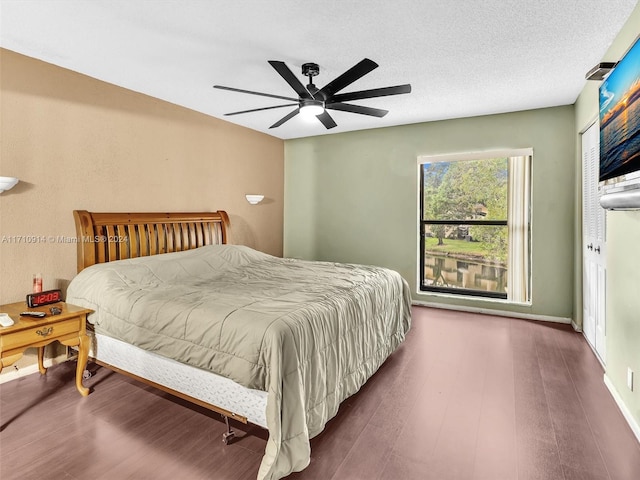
{"points": [[353, 197], [623, 255], [79, 143]]}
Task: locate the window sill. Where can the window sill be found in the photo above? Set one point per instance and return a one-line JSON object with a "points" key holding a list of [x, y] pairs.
{"points": [[470, 298]]}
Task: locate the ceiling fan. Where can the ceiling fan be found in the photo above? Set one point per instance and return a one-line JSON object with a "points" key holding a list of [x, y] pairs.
{"points": [[316, 101]]}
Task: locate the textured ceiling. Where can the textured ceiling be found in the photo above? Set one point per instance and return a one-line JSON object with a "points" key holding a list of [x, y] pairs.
{"points": [[462, 58]]}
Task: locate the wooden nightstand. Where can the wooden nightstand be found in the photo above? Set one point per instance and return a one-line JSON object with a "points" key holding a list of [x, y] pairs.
{"points": [[69, 328]]}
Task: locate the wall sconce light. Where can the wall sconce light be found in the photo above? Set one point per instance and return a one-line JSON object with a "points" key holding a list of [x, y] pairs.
{"points": [[7, 183], [254, 199]]}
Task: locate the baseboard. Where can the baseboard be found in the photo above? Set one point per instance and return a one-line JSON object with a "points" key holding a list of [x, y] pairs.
{"points": [[500, 313], [595, 354], [635, 428], [12, 372], [575, 326]]}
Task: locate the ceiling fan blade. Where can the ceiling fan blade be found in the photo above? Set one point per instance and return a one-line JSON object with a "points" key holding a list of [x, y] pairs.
{"points": [[346, 107], [326, 120], [259, 109], [347, 78], [255, 93], [290, 78], [285, 118], [374, 92]]}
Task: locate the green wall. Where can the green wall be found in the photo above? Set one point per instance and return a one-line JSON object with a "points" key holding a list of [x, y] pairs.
{"points": [[353, 197], [623, 306], [623, 257]]}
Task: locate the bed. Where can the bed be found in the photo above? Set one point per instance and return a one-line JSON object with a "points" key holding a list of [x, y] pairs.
{"points": [[272, 341]]}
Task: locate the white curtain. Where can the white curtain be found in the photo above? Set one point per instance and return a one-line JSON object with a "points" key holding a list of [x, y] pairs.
{"points": [[518, 289]]}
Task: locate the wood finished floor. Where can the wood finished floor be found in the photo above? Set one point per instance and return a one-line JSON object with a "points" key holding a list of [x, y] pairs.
{"points": [[467, 397]]}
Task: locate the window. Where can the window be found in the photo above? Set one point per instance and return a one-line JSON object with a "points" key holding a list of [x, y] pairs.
{"points": [[474, 225]]}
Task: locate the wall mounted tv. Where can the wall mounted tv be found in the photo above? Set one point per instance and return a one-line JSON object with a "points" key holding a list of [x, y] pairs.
{"points": [[620, 119]]}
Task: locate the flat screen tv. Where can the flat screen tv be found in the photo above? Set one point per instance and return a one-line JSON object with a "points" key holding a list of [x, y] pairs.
{"points": [[620, 119]]}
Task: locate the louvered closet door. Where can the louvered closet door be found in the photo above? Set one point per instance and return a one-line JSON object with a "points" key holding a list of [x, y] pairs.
{"points": [[593, 245]]}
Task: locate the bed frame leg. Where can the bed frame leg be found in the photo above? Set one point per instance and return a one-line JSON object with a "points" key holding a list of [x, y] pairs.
{"points": [[229, 434]]}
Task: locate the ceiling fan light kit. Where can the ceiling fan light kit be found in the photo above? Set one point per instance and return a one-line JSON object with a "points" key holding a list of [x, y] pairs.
{"points": [[311, 108], [313, 101]]}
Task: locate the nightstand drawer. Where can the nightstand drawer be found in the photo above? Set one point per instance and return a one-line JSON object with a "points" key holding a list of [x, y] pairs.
{"points": [[39, 333]]}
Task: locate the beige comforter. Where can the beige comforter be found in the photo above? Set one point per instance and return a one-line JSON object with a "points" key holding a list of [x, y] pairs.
{"points": [[308, 333]]}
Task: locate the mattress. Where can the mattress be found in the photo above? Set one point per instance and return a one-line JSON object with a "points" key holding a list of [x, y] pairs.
{"points": [[195, 382]]}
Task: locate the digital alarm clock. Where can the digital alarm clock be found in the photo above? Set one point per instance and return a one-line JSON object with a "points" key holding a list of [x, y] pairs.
{"points": [[44, 298]]}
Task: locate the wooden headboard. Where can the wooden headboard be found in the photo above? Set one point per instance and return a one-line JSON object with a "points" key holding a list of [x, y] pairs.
{"points": [[103, 237]]}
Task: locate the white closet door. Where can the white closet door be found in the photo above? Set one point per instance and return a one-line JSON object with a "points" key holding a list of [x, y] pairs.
{"points": [[593, 245]]}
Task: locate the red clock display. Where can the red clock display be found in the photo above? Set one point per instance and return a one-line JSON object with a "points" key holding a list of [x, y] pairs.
{"points": [[44, 298]]}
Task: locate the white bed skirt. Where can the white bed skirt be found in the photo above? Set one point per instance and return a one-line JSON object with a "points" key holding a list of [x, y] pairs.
{"points": [[192, 381]]}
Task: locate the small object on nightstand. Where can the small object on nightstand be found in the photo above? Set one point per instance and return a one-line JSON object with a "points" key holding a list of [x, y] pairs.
{"points": [[5, 320], [37, 283], [33, 314], [44, 298]]}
